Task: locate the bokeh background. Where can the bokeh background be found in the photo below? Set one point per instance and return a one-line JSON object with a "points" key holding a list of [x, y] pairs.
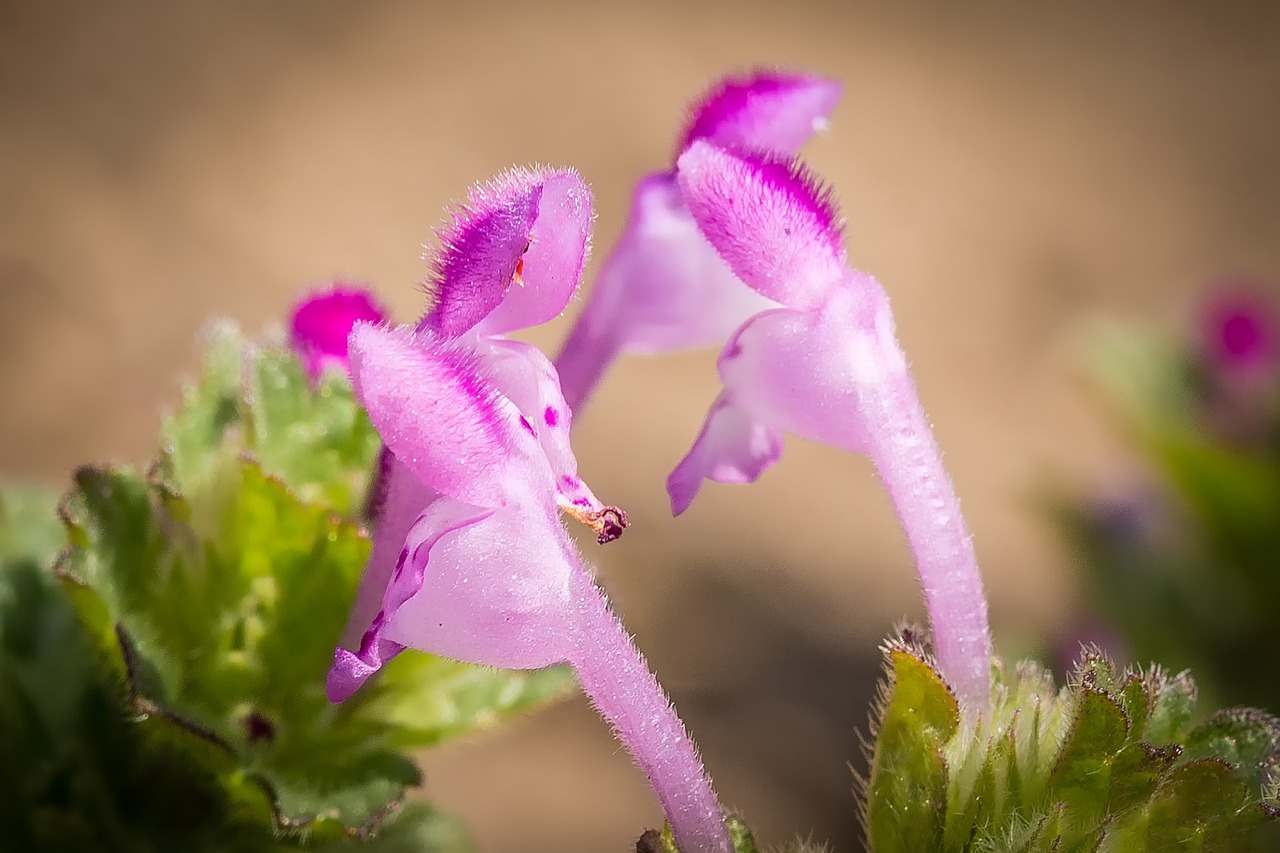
{"points": [[1011, 173]]}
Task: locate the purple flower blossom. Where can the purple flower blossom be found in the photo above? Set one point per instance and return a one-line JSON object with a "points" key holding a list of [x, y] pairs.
{"points": [[511, 256], [663, 288], [322, 322], [825, 365], [470, 558]]}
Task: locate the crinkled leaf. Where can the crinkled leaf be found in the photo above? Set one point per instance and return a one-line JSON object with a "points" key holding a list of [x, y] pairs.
{"points": [[319, 441], [1247, 739]]}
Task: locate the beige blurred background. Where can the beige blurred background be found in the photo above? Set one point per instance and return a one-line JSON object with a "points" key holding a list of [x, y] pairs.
{"points": [[1011, 174]]}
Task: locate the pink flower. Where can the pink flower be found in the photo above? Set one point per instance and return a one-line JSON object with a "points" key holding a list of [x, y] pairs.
{"points": [[470, 558], [663, 288], [825, 365], [510, 257]]}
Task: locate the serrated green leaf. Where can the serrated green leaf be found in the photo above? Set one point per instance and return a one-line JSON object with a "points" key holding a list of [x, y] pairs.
{"points": [[194, 439], [1172, 703], [907, 787], [318, 441], [1082, 778], [1197, 803], [1243, 737], [414, 828]]}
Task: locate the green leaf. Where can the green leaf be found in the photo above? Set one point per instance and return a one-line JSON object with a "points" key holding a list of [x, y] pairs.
{"points": [[30, 532], [318, 441], [1174, 698], [414, 828], [1247, 739], [433, 699], [195, 440], [1082, 778], [907, 787]]}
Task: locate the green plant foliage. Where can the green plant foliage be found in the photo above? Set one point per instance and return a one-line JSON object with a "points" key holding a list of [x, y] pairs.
{"points": [[208, 596], [1111, 762]]}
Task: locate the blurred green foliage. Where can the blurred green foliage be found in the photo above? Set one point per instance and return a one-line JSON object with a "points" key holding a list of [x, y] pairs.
{"points": [[162, 688], [1185, 564]]}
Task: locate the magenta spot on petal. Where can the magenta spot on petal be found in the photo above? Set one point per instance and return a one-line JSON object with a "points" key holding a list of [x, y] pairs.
{"points": [[570, 481], [551, 416], [581, 502], [764, 110]]}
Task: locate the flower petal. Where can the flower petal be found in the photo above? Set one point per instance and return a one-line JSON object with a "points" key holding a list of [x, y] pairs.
{"points": [[794, 372], [524, 376], [733, 447], [491, 590], [557, 251], [799, 372], [767, 110], [663, 289], [440, 416], [513, 254], [480, 250], [322, 322], [351, 669], [405, 497], [768, 218]]}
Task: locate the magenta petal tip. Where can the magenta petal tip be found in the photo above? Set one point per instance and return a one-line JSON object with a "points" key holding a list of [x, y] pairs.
{"points": [[769, 110], [513, 253]]}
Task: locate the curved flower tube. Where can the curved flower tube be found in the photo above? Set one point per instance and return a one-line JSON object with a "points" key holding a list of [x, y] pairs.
{"points": [[663, 288], [487, 572], [826, 365]]}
